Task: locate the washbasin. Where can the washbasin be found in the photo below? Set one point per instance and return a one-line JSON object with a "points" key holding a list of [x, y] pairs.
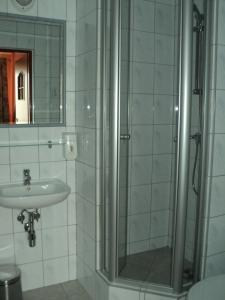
{"points": [[37, 195]]}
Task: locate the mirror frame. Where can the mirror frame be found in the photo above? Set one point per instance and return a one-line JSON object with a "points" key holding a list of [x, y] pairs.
{"points": [[40, 20]]}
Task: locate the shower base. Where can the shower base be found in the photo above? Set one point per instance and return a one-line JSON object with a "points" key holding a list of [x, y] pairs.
{"points": [[152, 266]]}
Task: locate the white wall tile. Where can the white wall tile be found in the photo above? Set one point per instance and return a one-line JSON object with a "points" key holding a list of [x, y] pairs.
{"points": [[141, 170], [72, 267], [163, 113], [162, 139], [144, 15], [70, 108], [160, 196], [70, 67], [139, 227], [52, 9], [161, 168], [23, 135], [71, 209], [36, 280], [85, 67], [218, 154], [220, 111], [143, 78], [4, 155], [55, 242], [221, 22], [56, 271], [71, 10], [55, 215], [159, 228], [216, 242], [7, 249], [51, 154], [50, 133], [140, 199], [163, 79], [85, 109], [86, 34], [141, 140], [70, 38], [5, 174], [24, 253], [164, 49], [220, 67], [6, 224], [72, 234], [53, 170], [164, 19], [4, 6], [142, 109], [143, 46], [217, 196], [70, 168], [85, 181], [84, 7], [23, 154], [215, 264]]}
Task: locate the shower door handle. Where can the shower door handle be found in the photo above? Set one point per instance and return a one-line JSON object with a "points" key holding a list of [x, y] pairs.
{"points": [[125, 137]]}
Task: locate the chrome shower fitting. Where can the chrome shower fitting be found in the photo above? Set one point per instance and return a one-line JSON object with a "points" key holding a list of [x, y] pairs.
{"points": [[26, 177], [29, 225]]}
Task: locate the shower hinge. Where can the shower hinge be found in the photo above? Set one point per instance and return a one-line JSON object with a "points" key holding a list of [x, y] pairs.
{"points": [[125, 137], [197, 91], [199, 28]]}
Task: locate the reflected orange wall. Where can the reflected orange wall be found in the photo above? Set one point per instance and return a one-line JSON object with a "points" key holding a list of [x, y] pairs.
{"points": [[11, 87], [11, 84]]}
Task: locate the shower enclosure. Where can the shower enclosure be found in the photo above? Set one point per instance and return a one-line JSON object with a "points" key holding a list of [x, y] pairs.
{"points": [[152, 129]]}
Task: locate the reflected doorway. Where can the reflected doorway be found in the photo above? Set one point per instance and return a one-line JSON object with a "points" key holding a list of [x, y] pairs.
{"points": [[15, 86]]}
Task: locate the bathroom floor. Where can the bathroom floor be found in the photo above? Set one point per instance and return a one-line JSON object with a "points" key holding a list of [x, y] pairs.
{"points": [[70, 290], [151, 266]]}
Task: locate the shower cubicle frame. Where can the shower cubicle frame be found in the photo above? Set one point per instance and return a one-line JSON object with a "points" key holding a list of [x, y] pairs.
{"points": [[183, 143]]}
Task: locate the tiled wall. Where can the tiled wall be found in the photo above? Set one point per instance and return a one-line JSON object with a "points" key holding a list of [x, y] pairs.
{"points": [[87, 132], [215, 215], [152, 87], [54, 257]]}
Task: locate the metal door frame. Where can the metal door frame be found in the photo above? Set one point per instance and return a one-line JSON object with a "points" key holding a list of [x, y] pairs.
{"points": [[183, 150], [183, 145]]}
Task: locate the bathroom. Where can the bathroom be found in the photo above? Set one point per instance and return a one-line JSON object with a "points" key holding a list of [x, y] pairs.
{"points": [[143, 112]]}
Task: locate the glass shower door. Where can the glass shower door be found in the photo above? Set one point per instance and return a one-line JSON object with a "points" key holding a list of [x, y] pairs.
{"points": [[149, 137], [148, 96]]}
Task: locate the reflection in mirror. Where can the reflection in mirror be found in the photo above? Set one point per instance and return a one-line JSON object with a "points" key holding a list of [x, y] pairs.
{"points": [[15, 86], [32, 59]]}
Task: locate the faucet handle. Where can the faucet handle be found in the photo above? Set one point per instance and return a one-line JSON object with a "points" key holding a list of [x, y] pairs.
{"points": [[21, 217], [26, 172]]}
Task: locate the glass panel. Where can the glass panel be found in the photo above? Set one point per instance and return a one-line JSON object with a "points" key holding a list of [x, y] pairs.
{"points": [[195, 143], [151, 50], [124, 137]]}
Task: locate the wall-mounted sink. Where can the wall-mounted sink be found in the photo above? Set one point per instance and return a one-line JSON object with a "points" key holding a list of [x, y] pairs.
{"points": [[36, 195]]}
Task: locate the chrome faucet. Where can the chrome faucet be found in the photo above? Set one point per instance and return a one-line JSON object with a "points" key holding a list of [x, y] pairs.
{"points": [[26, 177]]}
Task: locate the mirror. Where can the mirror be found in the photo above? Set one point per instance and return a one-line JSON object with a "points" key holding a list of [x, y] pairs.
{"points": [[32, 59]]}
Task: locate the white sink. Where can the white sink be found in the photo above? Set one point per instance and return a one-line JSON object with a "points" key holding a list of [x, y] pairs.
{"points": [[38, 194]]}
